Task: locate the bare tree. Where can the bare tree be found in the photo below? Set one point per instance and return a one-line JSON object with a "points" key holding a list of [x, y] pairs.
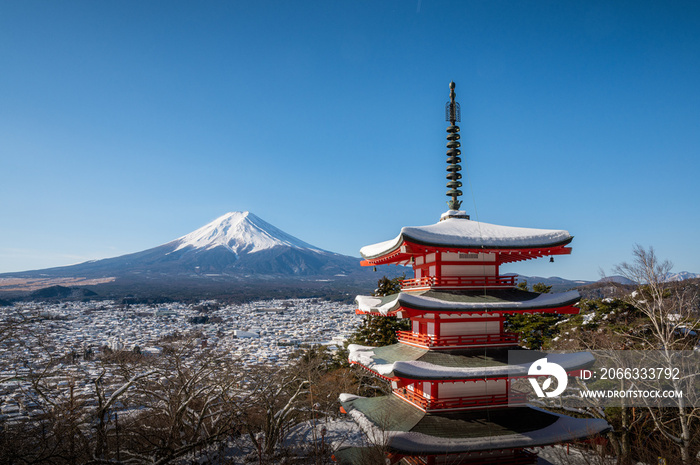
{"points": [[124, 407], [672, 320], [36, 375], [670, 307], [608, 339], [274, 397], [279, 400], [185, 404], [106, 400]]}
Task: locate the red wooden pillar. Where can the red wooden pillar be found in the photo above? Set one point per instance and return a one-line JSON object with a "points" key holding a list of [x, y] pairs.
{"points": [[438, 267], [497, 264]]}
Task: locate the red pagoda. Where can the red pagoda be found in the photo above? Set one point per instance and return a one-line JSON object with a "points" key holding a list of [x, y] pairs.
{"points": [[451, 399]]}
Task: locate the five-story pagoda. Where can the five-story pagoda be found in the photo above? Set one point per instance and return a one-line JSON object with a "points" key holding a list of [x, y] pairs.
{"points": [[451, 399]]}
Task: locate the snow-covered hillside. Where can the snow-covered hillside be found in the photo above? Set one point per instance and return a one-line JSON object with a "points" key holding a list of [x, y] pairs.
{"points": [[682, 276]]}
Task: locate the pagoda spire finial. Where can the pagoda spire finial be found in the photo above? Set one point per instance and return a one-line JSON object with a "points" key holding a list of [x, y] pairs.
{"points": [[452, 114]]}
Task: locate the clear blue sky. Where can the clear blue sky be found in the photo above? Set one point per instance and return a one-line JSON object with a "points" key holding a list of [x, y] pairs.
{"points": [[126, 124]]}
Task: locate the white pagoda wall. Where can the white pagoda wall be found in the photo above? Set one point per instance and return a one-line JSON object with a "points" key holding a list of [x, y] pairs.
{"points": [[468, 327], [428, 259], [468, 257], [460, 264], [472, 388], [461, 270], [457, 328]]}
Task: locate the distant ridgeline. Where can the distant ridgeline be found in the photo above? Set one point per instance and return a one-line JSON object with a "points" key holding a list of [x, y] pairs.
{"points": [[237, 253]]}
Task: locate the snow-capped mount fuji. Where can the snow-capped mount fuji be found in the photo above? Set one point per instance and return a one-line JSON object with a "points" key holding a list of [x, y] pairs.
{"points": [[236, 246], [242, 244], [240, 232]]}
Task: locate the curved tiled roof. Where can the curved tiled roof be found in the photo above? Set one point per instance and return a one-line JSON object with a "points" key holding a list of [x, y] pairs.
{"points": [[409, 430], [404, 361], [487, 301], [465, 233]]}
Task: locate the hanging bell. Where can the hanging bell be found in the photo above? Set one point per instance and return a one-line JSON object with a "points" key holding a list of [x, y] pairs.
{"points": [[551, 259]]}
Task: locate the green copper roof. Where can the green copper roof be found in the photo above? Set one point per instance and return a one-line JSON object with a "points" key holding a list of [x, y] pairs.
{"points": [[408, 430], [480, 295], [462, 358], [480, 423], [387, 412], [390, 413], [412, 363]]}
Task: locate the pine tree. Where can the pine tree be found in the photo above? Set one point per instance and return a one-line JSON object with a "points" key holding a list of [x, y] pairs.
{"points": [[379, 330], [536, 329]]}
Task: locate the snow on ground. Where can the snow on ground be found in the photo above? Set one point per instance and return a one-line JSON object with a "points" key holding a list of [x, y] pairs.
{"points": [[339, 433], [300, 441]]}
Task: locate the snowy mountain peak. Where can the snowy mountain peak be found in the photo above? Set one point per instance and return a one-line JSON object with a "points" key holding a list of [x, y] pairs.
{"points": [[240, 232], [682, 276]]}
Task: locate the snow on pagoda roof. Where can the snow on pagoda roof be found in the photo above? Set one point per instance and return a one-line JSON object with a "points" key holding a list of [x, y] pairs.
{"points": [[406, 429], [451, 302], [399, 360], [465, 233]]}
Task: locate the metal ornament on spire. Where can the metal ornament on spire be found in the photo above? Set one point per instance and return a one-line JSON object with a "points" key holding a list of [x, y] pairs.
{"points": [[452, 114]]}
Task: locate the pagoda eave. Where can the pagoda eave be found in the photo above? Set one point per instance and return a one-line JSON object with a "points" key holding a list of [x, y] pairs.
{"points": [[408, 312], [404, 364], [407, 250], [375, 373], [409, 305], [400, 379], [410, 431], [407, 247]]}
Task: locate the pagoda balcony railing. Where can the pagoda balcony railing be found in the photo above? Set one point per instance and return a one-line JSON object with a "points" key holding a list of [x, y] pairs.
{"points": [[465, 402], [458, 282], [445, 342]]}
